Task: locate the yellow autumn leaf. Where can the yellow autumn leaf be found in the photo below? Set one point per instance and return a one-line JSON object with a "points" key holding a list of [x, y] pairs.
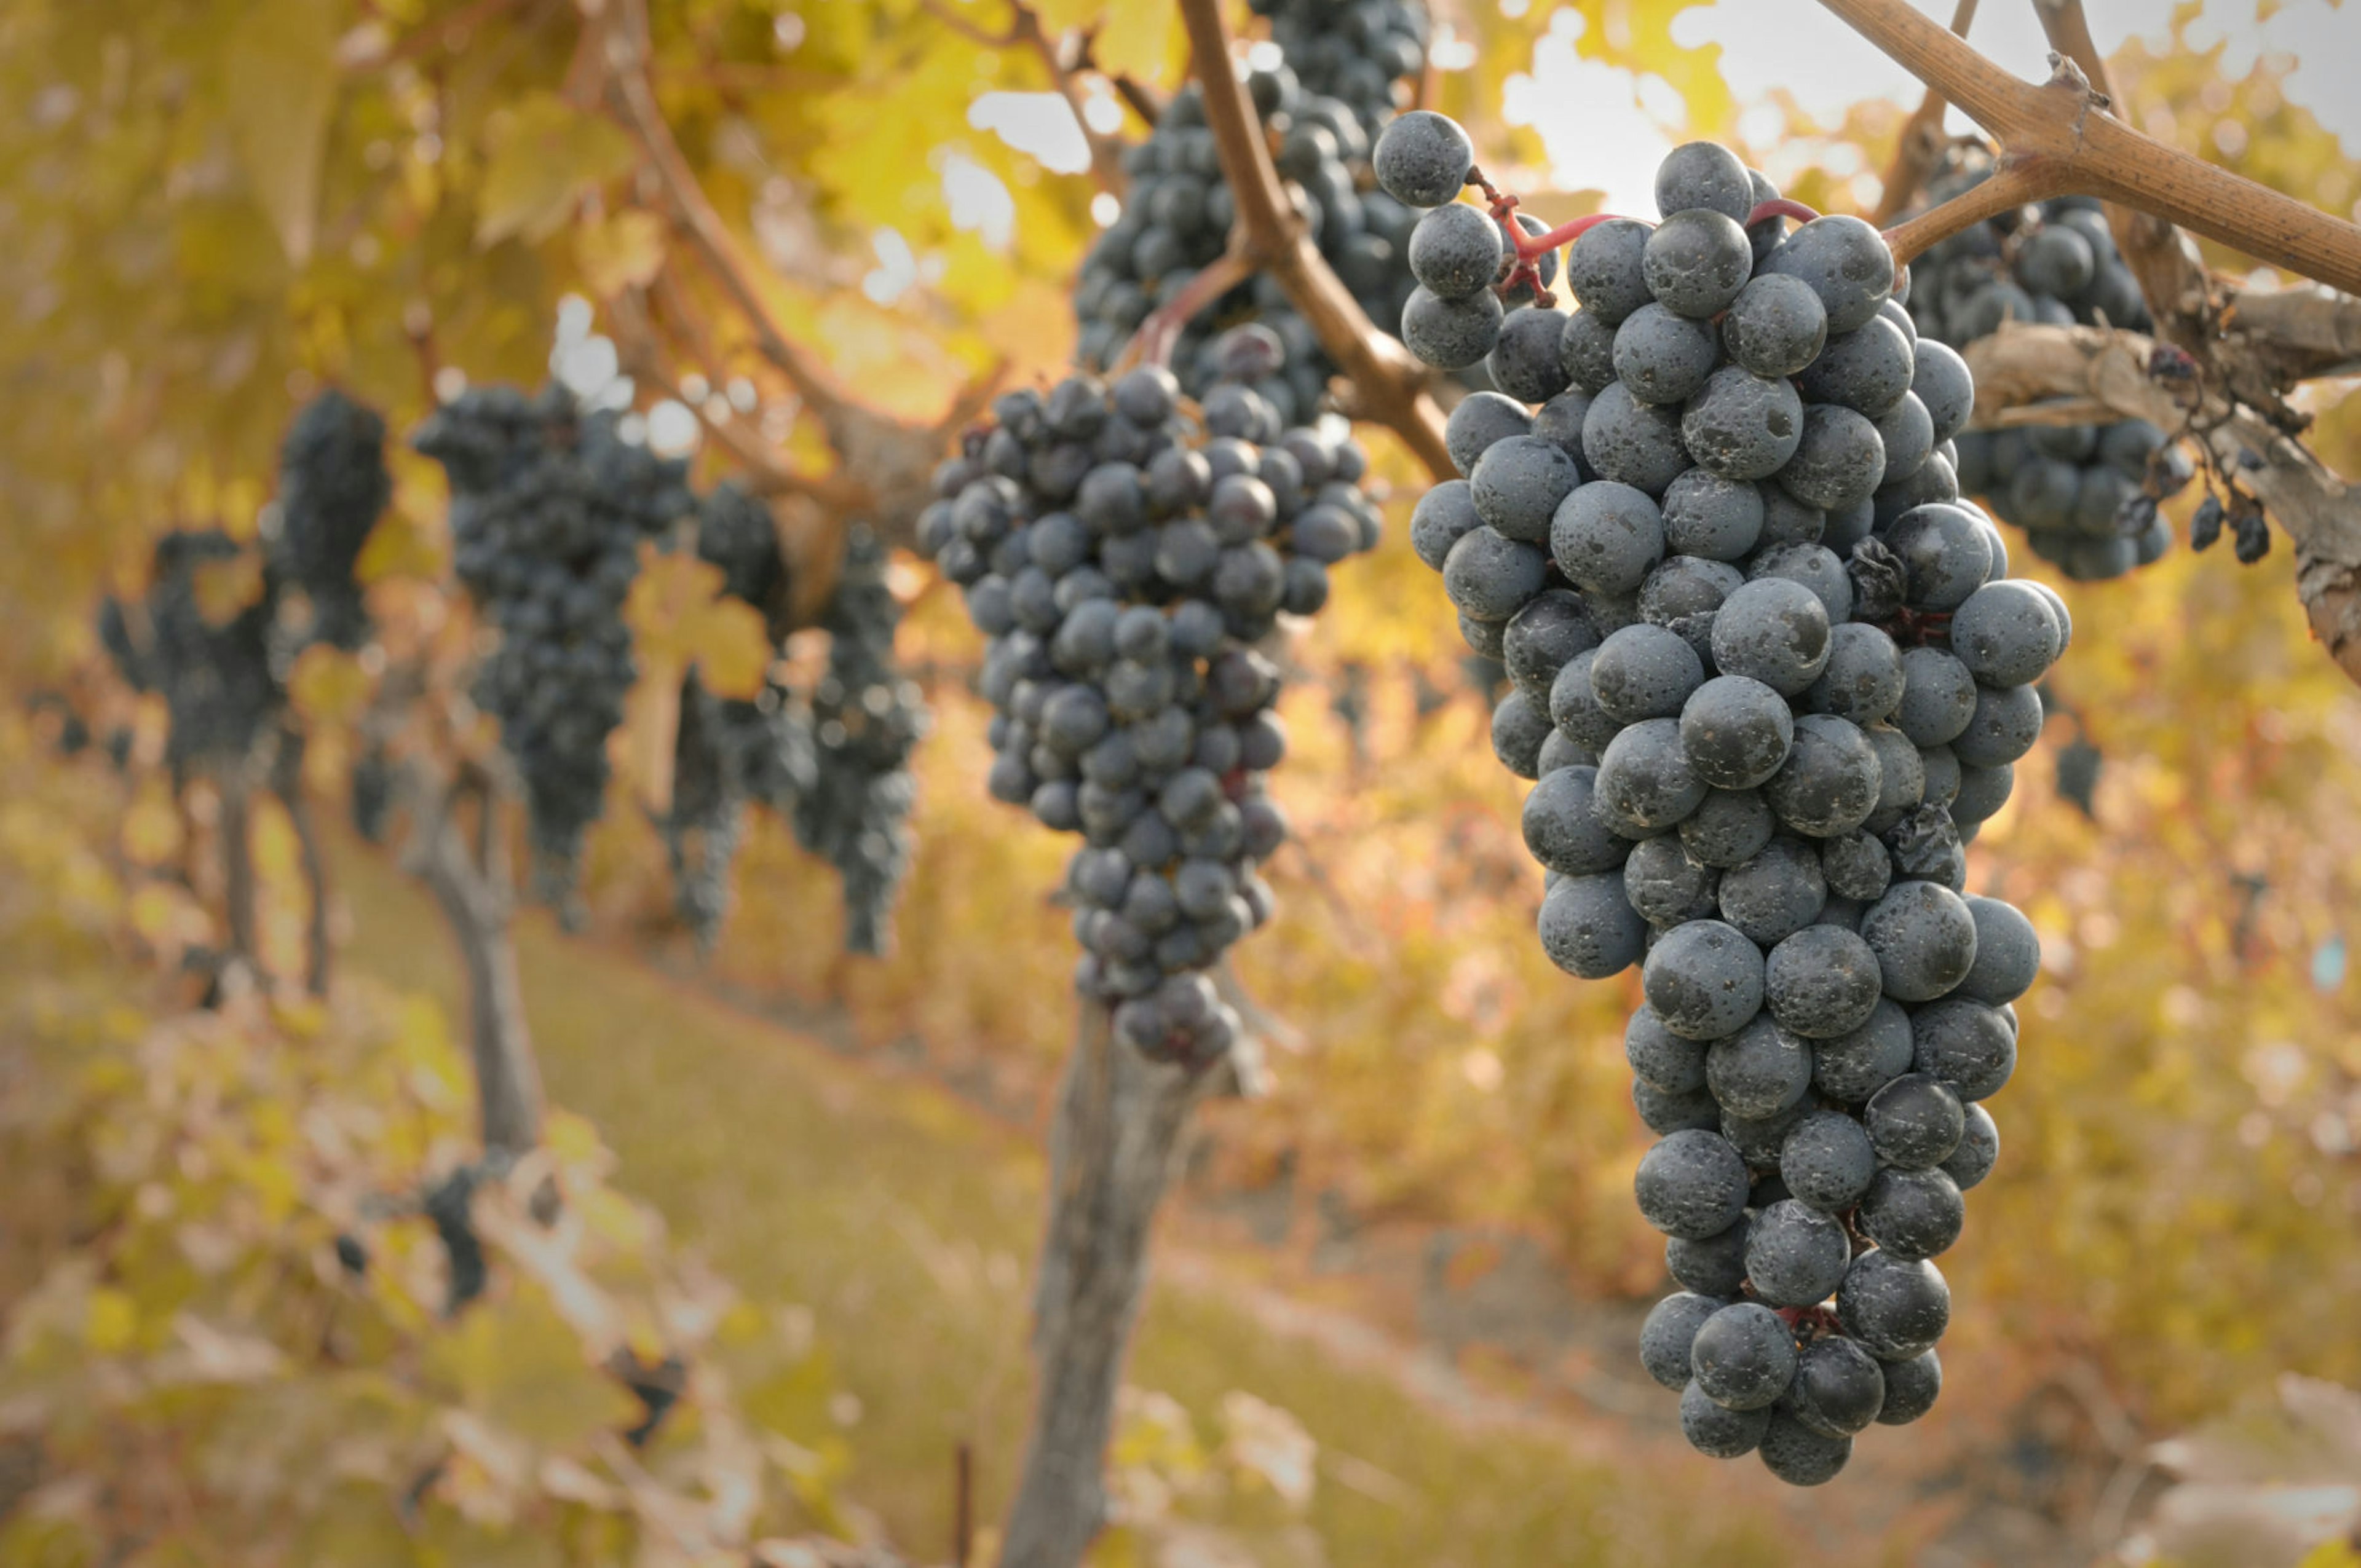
{"points": [[109, 1321], [515, 1362], [223, 588], [623, 251], [327, 685], [544, 154], [151, 829], [279, 86]]}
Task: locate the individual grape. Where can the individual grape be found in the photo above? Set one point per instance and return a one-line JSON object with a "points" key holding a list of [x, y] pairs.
{"points": [[1966, 1045], [1829, 782], [1696, 262], [1713, 1267], [1817, 567], [1707, 516], [1735, 730], [1844, 261], [1490, 576], [1660, 1058], [1946, 552], [1456, 251], [1867, 370], [1665, 886], [1646, 672], [1728, 827], [1828, 1161], [1837, 460], [1979, 1149], [1562, 828], [1663, 358], [1606, 537], [1759, 1071], [1743, 1358], [1838, 1389], [1422, 159], [1856, 865], [1574, 705], [1912, 1214], [1451, 334], [1915, 1120], [1741, 425], [1559, 420], [1758, 1139], [2003, 726], [1862, 679], [1542, 637], [1481, 420], [1589, 929], [1775, 327], [1938, 697], [1914, 473], [1776, 893], [1691, 1184], [1604, 267], [1520, 725], [1795, 1254], [1911, 1387], [1518, 485], [1645, 783], [1586, 352], [1896, 1308], [1717, 1430], [1853, 1067], [1704, 979], [1665, 1113], [2008, 953], [1800, 1456], [1632, 443], [1925, 940], [1526, 362], [1822, 982], [1704, 174], [1773, 630], [1901, 778], [1684, 593], [1939, 377], [1671, 1328]]}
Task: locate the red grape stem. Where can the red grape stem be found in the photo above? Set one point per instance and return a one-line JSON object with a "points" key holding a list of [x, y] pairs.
{"points": [[1780, 207]]}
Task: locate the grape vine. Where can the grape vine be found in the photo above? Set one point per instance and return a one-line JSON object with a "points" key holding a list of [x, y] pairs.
{"points": [[1769, 674]]}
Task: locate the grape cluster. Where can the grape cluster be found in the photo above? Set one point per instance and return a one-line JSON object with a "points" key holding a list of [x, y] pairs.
{"points": [[2086, 495], [333, 485], [719, 744], [212, 665], [865, 719], [1767, 672], [1321, 114], [549, 505], [1124, 551]]}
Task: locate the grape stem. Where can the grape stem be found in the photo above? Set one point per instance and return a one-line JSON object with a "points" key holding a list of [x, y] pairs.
{"points": [[1388, 385], [884, 463], [1780, 207], [1154, 342], [1523, 264], [2064, 122], [1920, 149]]}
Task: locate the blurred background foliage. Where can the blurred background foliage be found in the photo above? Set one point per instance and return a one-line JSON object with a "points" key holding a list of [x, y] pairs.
{"points": [[216, 209]]}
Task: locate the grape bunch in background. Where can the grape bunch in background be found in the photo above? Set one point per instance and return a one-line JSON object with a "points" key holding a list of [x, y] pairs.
{"points": [[212, 666], [1768, 672], [1124, 551], [1322, 109], [549, 506], [2086, 495], [333, 485], [865, 719]]}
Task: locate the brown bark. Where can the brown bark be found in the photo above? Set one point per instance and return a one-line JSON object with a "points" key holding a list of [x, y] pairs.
{"points": [[2061, 126], [233, 837], [1112, 1153], [473, 893], [1388, 386], [1918, 150]]}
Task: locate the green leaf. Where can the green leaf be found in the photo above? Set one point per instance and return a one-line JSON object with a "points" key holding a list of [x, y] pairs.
{"points": [[279, 80], [544, 154]]}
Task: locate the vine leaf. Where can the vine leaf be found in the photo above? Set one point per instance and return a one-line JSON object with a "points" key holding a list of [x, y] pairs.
{"points": [[544, 154], [280, 84]]}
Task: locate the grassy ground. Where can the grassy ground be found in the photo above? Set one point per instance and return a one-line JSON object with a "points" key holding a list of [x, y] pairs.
{"points": [[907, 1222]]}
